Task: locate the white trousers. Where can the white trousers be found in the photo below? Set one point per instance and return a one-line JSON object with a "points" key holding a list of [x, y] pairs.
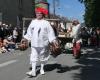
{"points": [[39, 54]]}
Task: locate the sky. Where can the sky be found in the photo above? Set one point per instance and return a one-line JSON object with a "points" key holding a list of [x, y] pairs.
{"points": [[72, 9]]}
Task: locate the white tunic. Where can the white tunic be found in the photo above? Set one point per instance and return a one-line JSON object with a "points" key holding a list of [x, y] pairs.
{"points": [[76, 32], [40, 33]]}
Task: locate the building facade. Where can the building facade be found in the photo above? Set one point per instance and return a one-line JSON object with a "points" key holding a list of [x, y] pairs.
{"points": [[13, 10]]}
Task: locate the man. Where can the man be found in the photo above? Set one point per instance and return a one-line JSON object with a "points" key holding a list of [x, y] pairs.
{"points": [[40, 33], [15, 34], [3, 33], [76, 31]]}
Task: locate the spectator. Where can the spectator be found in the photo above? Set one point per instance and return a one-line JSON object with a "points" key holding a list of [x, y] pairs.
{"points": [[76, 31], [97, 36], [15, 35], [2, 31], [11, 43]]}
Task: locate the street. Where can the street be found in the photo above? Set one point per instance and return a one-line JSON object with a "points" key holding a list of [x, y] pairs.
{"points": [[14, 65]]}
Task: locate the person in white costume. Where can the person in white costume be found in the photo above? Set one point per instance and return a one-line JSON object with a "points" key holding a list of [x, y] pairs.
{"points": [[76, 31], [40, 33]]}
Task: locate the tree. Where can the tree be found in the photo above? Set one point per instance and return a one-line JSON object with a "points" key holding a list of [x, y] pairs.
{"points": [[92, 12]]}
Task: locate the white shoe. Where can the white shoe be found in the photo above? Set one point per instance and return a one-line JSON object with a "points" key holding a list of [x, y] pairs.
{"points": [[42, 72], [31, 74]]}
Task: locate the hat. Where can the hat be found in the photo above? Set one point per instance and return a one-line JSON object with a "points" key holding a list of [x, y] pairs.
{"points": [[42, 10]]}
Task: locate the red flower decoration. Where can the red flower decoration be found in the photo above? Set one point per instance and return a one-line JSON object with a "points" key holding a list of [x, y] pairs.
{"points": [[42, 10]]}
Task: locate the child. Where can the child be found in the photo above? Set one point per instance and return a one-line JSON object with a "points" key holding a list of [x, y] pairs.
{"points": [[23, 45]]}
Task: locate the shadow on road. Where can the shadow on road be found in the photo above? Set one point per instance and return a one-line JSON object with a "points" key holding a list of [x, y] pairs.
{"points": [[91, 66], [59, 67]]}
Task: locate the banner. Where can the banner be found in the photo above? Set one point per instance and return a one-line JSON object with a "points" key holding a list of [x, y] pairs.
{"points": [[43, 5], [37, 1]]}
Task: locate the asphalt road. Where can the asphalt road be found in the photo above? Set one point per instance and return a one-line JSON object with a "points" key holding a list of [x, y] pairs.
{"points": [[14, 65]]}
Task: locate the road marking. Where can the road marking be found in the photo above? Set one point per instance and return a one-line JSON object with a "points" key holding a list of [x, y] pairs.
{"points": [[7, 63]]}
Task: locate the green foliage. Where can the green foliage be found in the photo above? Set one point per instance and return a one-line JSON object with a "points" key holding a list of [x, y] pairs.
{"points": [[92, 12]]}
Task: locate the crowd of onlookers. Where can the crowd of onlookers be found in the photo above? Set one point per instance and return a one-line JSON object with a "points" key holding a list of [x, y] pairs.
{"points": [[90, 36], [9, 37]]}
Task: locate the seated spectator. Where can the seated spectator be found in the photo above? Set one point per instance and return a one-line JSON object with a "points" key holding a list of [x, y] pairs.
{"points": [[23, 45], [2, 48], [5, 43], [11, 43], [1, 42]]}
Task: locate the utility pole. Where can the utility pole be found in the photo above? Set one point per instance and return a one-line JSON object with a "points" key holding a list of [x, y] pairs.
{"points": [[55, 4], [54, 8]]}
